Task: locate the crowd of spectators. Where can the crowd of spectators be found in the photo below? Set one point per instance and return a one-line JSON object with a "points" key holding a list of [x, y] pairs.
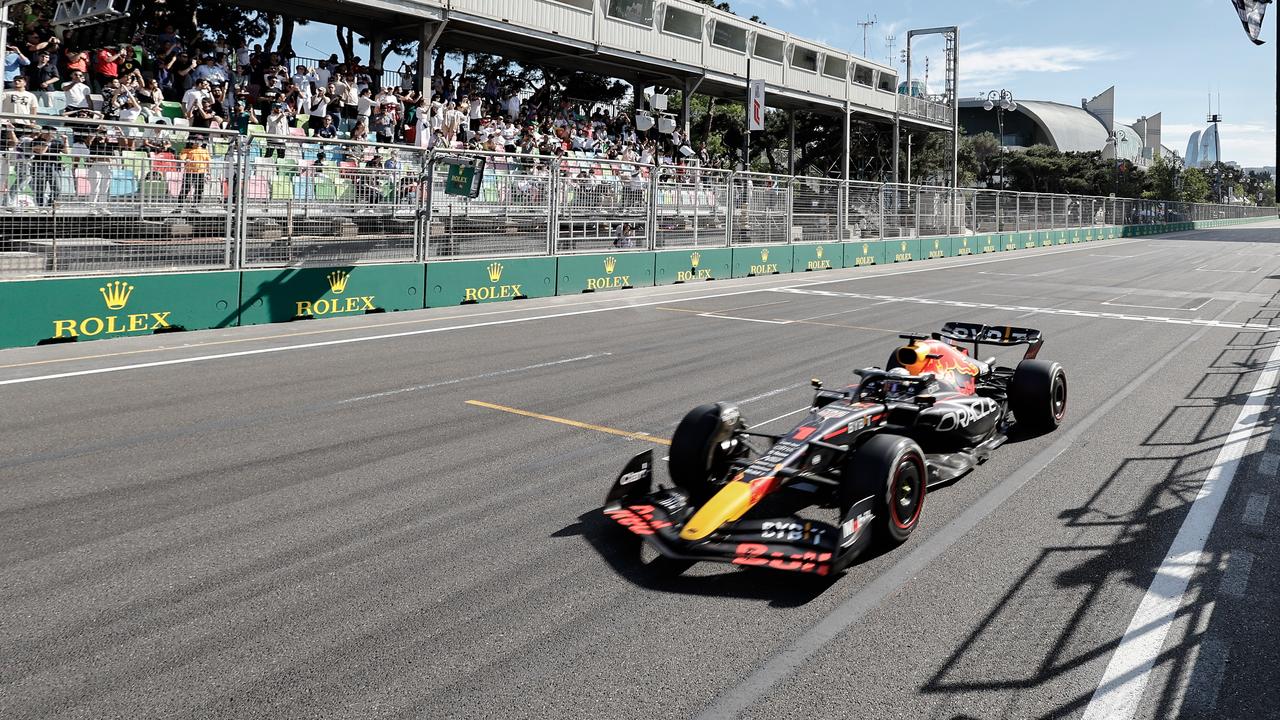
{"points": [[228, 84]]}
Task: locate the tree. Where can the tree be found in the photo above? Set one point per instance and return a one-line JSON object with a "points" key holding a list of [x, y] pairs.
{"points": [[1161, 180], [1195, 186]]}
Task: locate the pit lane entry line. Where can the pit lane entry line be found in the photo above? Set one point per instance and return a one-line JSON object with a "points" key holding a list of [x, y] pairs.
{"points": [[642, 436]]}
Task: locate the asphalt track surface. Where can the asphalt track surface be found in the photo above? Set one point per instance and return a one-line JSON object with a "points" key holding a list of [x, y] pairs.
{"points": [[310, 520]]}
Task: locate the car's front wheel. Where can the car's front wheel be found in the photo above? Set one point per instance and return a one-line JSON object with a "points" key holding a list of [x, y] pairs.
{"points": [[702, 448], [891, 470]]}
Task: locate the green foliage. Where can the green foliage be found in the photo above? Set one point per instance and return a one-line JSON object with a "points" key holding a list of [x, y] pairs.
{"points": [[1195, 186]]}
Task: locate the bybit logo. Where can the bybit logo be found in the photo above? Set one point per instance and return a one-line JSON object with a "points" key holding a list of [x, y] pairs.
{"points": [[765, 267], [116, 295], [694, 272], [493, 291], [610, 280], [818, 264], [338, 281]]}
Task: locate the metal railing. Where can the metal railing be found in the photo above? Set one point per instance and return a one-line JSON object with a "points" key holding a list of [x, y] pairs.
{"points": [[85, 197], [926, 109]]}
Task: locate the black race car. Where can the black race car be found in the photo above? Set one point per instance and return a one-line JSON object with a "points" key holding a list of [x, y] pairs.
{"points": [[869, 452]]}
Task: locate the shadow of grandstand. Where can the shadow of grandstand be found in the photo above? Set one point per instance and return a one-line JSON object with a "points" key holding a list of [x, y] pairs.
{"points": [[1117, 547]]}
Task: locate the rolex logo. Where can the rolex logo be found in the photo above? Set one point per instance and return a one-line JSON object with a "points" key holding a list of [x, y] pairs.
{"points": [[904, 246], [966, 242], [495, 272], [610, 264], [338, 281], [865, 248], [695, 258], [764, 255], [935, 244], [819, 251], [116, 294]]}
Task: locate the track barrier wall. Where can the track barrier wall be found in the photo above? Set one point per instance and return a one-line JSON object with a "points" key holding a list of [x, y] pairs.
{"points": [[74, 309], [288, 227], [270, 296], [93, 308], [686, 266]]}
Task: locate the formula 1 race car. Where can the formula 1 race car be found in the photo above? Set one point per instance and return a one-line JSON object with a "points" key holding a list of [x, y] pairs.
{"points": [[869, 451]]}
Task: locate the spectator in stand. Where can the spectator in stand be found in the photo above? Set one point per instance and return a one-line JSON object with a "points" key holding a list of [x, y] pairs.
{"points": [[191, 99], [277, 124], [243, 116], [77, 93], [44, 74], [130, 67], [365, 105], [361, 130], [206, 115], [210, 72], [384, 124], [195, 166], [150, 98], [304, 79], [318, 110], [37, 43], [130, 110], [103, 149], [327, 129], [106, 65], [112, 99], [14, 61], [44, 152], [182, 69], [19, 101], [74, 60]]}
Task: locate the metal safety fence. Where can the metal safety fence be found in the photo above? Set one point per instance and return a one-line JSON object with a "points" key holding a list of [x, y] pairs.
{"points": [[87, 196]]}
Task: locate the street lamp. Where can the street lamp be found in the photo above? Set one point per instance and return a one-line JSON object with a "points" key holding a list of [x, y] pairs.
{"points": [[1116, 137], [1000, 101]]}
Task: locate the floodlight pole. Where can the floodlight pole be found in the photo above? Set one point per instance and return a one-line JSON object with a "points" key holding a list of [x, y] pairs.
{"points": [[746, 143]]}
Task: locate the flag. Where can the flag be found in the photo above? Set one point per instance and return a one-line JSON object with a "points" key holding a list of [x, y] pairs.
{"points": [[1251, 12], [755, 105]]}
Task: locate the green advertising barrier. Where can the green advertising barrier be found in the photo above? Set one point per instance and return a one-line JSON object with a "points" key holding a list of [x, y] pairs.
{"points": [[692, 265], [820, 256], [456, 282], [988, 244], [1011, 241], [936, 248], [966, 245], [757, 260], [861, 254], [268, 296], [594, 273], [900, 250], [94, 308]]}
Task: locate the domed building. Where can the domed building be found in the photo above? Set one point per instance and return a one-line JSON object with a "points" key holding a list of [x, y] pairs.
{"points": [[1068, 128]]}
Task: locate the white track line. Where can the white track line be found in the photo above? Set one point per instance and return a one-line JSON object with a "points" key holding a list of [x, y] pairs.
{"points": [[1028, 309], [1119, 694], [962, 263], [484, 376]]}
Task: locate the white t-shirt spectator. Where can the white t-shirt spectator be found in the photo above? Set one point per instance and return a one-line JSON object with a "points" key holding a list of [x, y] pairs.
{"points": [[77, 95], [477, 110], [213, 73], [277, 124], [365, 106], [323, 75], [18, 102], [513, 106], [190, 98], [303, 81], [319, 106]]}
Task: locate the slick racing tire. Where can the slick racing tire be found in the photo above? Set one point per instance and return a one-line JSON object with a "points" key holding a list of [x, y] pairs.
{"points": [[891, 469], [1038, 395], [699, 458]]}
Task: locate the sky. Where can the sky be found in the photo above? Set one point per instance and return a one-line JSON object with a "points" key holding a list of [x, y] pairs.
{"points": [[1164, 56]]}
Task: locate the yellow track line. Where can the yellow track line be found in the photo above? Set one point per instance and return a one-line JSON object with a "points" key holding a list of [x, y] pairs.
{"points": [[789, 322], [645, 437]]}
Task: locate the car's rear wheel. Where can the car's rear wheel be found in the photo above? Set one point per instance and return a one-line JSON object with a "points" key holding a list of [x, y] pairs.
{"points": [[1038, 395], [891, 470], [702, 448]]}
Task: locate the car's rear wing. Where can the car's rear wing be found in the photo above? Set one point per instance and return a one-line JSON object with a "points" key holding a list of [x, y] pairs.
{"points": [[998, 335]]}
